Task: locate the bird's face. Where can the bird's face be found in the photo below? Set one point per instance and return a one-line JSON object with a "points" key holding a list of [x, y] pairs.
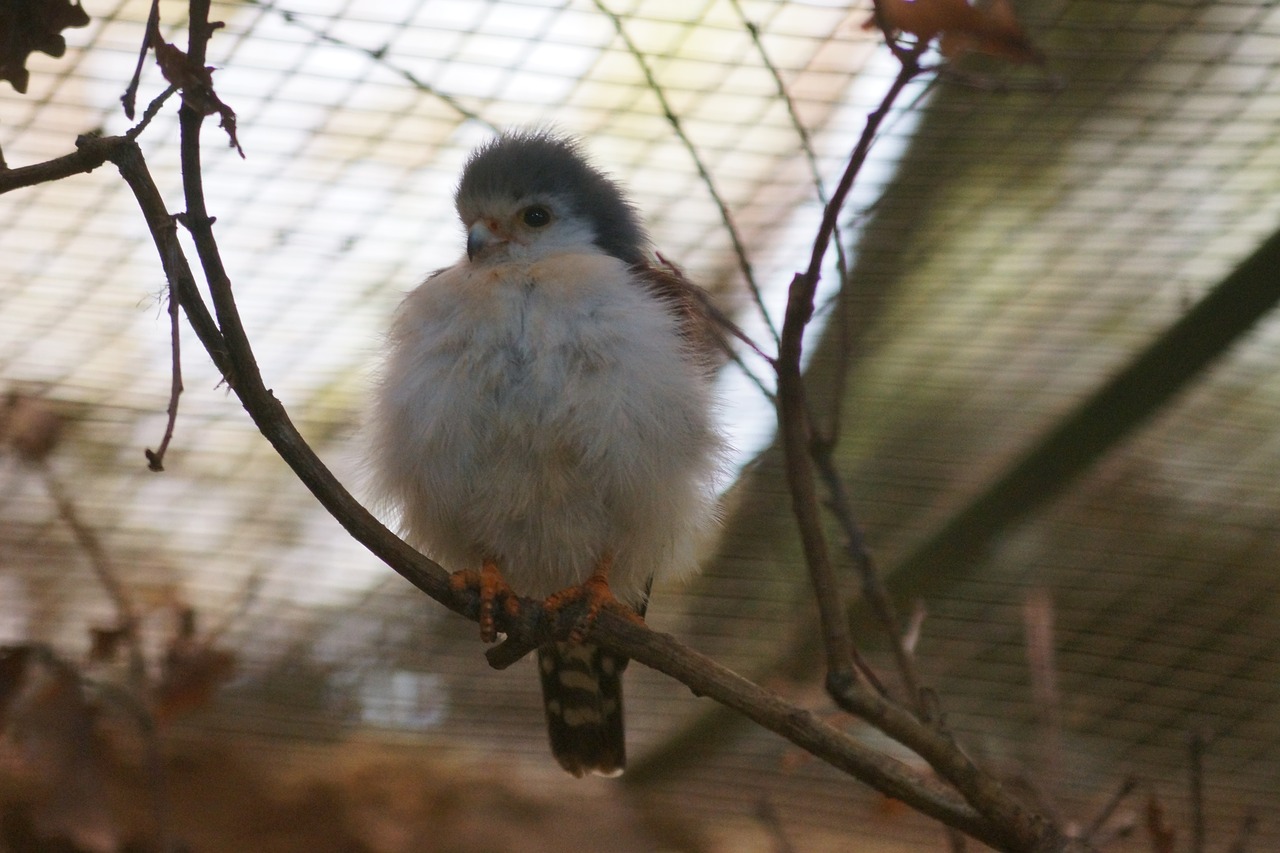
{"points": [[523, 228]]}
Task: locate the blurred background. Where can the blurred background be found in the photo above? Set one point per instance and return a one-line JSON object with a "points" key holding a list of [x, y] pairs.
{"points": [[1060, 424]]}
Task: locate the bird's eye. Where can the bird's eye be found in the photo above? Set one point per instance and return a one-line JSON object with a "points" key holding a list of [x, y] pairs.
{"points": [[536, 216]]}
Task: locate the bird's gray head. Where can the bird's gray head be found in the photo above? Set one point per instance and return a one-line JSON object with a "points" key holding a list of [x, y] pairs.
{"points": [[532, 193]]}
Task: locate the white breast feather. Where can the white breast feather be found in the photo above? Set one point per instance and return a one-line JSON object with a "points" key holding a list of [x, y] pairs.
{"points": [[540, 413]]}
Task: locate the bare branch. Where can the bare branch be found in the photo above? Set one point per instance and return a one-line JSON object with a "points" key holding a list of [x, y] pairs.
{"points": [[767, 812], [100, 561], [152, 110], [1126, 788], [155, 459], [378, 55], [90, 154], [806, 141], [703, 676], [794, 426], [151, 36], [793, 419], [1038, 620], [873, 588], [661, 652]]}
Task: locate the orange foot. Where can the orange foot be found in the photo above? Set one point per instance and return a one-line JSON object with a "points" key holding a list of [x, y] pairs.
{"points": [[492, 586], [596, 593]]}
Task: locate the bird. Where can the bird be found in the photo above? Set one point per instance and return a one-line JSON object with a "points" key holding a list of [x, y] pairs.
{"points": [[545, 422]]}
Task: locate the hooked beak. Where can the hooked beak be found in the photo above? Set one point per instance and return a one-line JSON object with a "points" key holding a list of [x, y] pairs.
{"points": [[479, 238]]}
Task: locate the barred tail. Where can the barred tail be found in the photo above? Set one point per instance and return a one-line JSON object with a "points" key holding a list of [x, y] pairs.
{"points": [[582, 694]]}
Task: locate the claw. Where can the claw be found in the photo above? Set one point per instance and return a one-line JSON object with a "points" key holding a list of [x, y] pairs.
{"points": [[596, 593], [491, 586]]}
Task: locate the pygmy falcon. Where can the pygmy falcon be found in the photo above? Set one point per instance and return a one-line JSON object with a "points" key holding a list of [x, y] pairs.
{"points": [[544, 417]]}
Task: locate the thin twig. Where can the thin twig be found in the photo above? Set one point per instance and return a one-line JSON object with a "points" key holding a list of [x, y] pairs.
{"points": [[1127, 787], [127, 157], [152, 110], [103, 568], [802, 132], [155, 459], [794, 427], [1046, 701], [767, 812], [806, 141], [130, 96], [196, 217], [739, 248], [378, 55], [88, 156], [793, 419], [873, 588]]}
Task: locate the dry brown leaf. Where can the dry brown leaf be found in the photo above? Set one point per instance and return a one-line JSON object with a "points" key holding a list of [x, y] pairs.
{"points": [[50, 752], [960, 28], [30, 426], [27, 26], [193, 670], [196, 84]]}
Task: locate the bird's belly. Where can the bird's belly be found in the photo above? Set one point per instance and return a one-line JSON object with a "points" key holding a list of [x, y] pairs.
{"points": [[551, 435]]}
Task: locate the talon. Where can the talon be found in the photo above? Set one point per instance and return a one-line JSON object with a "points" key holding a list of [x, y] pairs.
{"points": [[491, 586], [597, 594]]}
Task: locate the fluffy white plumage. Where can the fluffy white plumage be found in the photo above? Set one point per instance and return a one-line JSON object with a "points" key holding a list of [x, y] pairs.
{"points": [[545, 411], [541, 410]]}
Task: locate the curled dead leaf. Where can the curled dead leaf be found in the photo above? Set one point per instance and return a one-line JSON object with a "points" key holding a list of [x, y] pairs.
{"points": [[991, 28], [196, 84]]}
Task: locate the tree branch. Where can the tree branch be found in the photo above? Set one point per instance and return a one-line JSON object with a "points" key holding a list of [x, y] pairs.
{"points": [[793, 419], [91, 152]]}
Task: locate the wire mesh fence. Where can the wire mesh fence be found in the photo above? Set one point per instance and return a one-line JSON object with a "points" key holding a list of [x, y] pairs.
{"points": [[1021, 235]]}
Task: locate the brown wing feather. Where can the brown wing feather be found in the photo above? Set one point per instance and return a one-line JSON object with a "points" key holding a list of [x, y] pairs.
{"points": [[704, 327]]}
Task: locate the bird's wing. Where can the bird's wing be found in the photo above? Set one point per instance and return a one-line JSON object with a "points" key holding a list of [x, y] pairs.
{"points": [[704, 327]]}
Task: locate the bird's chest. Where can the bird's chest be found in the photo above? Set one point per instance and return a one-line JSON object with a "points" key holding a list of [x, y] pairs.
{"points": [[521, 358], [536, 349]]}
